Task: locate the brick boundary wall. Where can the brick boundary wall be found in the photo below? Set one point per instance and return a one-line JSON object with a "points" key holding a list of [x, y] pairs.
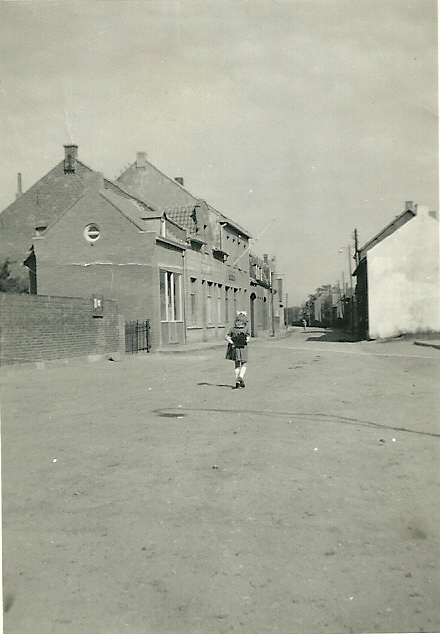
{"points": [[43, 328]]}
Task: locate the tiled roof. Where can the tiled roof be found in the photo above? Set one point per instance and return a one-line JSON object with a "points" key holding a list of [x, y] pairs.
{"points": [[182, 216]]}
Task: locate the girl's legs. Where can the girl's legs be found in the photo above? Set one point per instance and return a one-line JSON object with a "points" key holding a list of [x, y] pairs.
{"points": [[237, 370], [242, 370]]}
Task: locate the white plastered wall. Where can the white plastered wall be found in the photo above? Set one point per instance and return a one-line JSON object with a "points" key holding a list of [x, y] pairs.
{"points": [[403, 279]]}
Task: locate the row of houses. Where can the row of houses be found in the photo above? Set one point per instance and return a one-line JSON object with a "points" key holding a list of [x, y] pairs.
{"points": [[397, 285], [328, 306], [145, 242]]}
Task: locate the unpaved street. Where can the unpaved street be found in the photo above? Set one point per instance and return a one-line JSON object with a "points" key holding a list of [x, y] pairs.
{"points": [[148, 497]]}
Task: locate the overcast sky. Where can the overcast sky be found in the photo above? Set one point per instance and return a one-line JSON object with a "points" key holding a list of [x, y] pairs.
{"points": [[301, 120]]}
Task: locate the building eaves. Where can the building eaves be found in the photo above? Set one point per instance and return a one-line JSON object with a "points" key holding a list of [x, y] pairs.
{"points": [[231, 223], [130, 208], [112, 185], [390, 228], [171, 241], [58, 218]]}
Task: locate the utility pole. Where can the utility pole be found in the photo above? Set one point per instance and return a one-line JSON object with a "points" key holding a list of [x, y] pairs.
{"points": [[353, 301], [272, 316], [286, 312], [351, 288], [356, 247], [349, 269]]}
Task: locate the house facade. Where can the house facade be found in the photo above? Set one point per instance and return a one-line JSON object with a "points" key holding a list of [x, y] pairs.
{"points": [[216, 278], [262, 302], [114, 247], [397, 288]]}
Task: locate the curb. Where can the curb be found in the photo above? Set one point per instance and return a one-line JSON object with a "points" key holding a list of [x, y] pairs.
{"points": [[189, 348], [427, 344], [62, 362], [211, 345]]}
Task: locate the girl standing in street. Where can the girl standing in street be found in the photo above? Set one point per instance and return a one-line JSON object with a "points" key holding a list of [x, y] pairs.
{"points": [[237, 350]]}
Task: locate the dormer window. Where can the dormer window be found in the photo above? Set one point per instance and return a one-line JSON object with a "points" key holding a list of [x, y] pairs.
{"points": [[92, 233]]}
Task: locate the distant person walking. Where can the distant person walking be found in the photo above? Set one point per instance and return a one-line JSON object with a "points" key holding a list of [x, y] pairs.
{"points": [[304, 324], [237, 351]]}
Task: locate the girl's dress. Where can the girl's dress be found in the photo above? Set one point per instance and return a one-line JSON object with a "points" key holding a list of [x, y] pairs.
{"points": [[238, 351]]}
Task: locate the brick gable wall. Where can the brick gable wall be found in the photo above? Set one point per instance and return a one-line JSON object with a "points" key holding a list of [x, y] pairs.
{"points": [[45, 200], [119, 266]]}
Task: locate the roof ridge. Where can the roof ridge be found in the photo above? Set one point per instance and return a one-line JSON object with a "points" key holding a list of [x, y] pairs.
{"points": [[388, 226], [172, 180]]}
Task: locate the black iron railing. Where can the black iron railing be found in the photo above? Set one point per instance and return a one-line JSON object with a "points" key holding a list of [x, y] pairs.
{"points": [[137, 336]]}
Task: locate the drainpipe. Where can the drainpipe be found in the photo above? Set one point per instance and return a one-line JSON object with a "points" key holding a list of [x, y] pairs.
{"points": [[183, 291], [272, 316]]}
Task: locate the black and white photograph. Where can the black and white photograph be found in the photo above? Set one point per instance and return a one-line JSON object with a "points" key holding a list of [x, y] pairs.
{"points": [[219, 316]]}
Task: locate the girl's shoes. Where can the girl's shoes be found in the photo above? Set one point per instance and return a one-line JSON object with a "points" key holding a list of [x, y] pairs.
{"points": [[237, 385], [241, 383]]}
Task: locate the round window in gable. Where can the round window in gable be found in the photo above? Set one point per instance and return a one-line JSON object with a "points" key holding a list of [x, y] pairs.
{"points": [[92, 233]]}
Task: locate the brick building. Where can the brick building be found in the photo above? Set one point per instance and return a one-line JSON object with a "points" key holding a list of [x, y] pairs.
{"points": [[262, 309], [216, 259], [118, 248], [143, 241]]}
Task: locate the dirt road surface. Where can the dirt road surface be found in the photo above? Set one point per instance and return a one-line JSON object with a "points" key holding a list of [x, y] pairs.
{"points": [[147, 496]]}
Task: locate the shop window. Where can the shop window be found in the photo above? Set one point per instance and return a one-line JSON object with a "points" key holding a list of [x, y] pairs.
{"points": [[170, 296]]}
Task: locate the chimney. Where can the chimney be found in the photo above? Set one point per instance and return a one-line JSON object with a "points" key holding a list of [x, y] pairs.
{"points": [[141, 160], [19, 188], [179, 179], [409, 205], [265, 258], [422, 210], [70, 157]]}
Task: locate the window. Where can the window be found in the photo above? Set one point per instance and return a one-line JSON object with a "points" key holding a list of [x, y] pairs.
{"points": [[219, 304], [92, 233], [170, 296], [209, 303], [226, 305], [193, 305]]}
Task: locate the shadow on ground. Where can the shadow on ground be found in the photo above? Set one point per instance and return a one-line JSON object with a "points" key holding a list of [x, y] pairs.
{"points": [[334, 336], [231, 387]]}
